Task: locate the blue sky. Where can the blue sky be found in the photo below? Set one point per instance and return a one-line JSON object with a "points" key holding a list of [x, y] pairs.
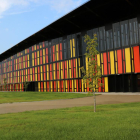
{"points": [[21, 18]]}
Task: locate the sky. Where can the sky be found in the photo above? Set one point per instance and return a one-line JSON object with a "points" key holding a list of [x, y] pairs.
{"points": [[21, 18]]}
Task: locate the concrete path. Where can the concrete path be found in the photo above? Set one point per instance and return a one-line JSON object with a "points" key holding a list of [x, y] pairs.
{"points": [[87, 101]]}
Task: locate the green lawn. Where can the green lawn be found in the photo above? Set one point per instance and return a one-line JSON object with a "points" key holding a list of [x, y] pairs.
{"points": [[9, 97], [110, 122]]}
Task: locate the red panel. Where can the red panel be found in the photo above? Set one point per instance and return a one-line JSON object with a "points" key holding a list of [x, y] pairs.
{"points": [[32, 48], [46, 58], [77, 85], [35, 62], [54, 83], [48, 86], [40, 60], [61, 85], [119, 57], [136, 59], [87, 87], [42, 86], [40, 52], [43, 44], [99, 89], [28, 74], [37, 46], [105, 63], [38, 73]]}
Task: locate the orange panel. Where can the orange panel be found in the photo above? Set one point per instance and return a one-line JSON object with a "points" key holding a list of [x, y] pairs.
{"points": [[105, 63], [119, 57], [136, 59]]}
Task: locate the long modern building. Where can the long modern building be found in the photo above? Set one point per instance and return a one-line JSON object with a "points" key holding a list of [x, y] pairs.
{"points": [[51, 58]]}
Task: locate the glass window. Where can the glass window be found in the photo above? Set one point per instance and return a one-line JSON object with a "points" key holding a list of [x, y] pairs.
{"points": [[124, 33], [102, 41], [133, 27]]}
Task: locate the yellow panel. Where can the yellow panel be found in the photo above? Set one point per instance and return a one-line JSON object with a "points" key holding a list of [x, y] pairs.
{"points": [[20, 87], [66, 87], [37, 53], [79, 68], [35, 47], [40, 46], [132, 66], [28, 56], [30, 70], [22, 78], [31, 78], [69, 68], [40, 68], [98, 59], [35, 69], [86, 63], [71, 47], [39, 86], [28, 63], [23, 64], [45, 86], [26, 72], [35, 77], [127, 60], [72, 86], [43, 59], [37, 61], [75, 85], [43, 51], [112, 65], [106, 84], [76, 69], [132, 52]]}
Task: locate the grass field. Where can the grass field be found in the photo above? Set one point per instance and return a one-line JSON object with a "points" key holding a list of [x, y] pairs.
{"points": [[9, 97], [110, 122]]}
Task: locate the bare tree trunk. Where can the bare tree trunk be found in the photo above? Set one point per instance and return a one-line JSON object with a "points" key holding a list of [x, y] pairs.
{"points": [[94, 101]]}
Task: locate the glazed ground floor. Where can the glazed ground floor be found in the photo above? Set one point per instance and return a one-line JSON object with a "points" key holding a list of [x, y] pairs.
{"points": [[112, 83]]}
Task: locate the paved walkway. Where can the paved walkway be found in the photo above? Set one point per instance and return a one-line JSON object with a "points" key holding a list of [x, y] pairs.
{"points": [[87, 101]]}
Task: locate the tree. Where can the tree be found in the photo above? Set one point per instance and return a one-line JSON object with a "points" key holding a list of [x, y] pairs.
{"points": [[92, 75], [25, 84]]}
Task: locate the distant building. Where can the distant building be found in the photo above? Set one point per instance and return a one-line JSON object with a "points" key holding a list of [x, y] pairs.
{"points": [[51, 58]]}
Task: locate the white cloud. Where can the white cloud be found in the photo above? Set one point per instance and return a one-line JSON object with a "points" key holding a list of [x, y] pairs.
{"points": [[64, 5], [57, 5]]}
